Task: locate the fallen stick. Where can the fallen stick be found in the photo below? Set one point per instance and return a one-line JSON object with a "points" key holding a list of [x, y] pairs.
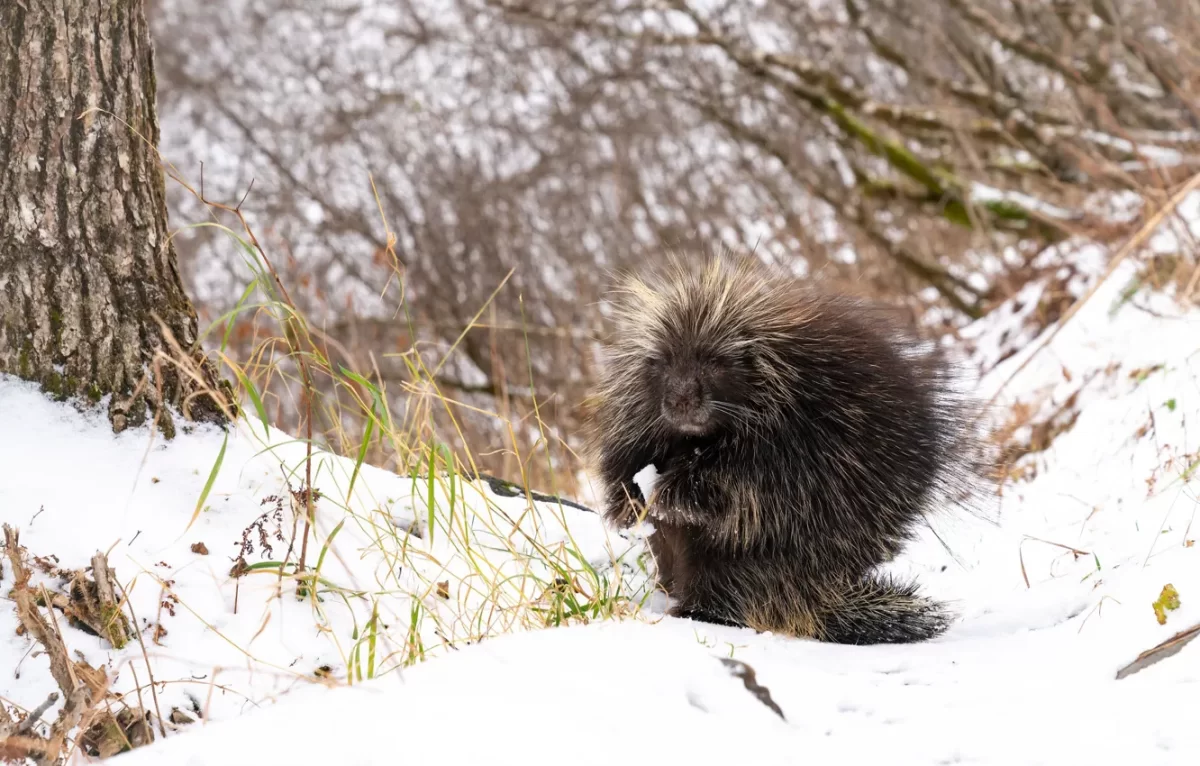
{"points": [[1168, 648]]}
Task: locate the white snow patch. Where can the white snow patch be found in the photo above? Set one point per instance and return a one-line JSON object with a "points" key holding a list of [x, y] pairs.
{"points": [[646, 479]]}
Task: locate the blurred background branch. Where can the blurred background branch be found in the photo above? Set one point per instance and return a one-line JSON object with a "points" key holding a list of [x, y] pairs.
{"points": [[409, 157]]}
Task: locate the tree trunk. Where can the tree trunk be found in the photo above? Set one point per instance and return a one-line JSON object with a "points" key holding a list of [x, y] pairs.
{"points": [[90, 294]]}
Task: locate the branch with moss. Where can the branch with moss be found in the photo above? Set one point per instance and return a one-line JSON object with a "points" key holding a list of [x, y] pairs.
{"points": [[947, 285], [821, 90]]}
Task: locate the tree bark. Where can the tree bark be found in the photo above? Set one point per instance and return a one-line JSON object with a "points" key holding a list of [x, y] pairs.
{"points": [[90, 294]]}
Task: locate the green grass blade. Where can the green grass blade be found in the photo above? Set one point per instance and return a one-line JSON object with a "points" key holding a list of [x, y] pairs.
{"points": [[328, 542], [255, 399], [432, 503], [250, 288], [208, 485], [372, 637], [362, 456]]}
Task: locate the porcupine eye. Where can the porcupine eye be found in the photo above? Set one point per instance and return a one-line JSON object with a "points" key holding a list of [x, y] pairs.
{"points": [[654, 368], [727, 378]]}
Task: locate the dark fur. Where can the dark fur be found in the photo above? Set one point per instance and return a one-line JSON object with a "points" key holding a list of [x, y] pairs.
{"points": [[798, 438]]}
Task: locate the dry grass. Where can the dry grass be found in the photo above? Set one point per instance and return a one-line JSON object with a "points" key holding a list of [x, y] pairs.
{"points": [[472, 569]]}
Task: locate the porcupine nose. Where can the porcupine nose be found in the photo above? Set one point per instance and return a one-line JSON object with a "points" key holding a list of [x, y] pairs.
{"points": [[684, 399]]}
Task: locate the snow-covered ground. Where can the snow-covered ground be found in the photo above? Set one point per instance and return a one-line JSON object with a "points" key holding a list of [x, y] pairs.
{"points": [[1054, 581]]}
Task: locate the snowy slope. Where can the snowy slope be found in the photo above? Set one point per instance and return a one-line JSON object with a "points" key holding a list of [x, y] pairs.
{"points": [[222, 645], [1054, 584]]}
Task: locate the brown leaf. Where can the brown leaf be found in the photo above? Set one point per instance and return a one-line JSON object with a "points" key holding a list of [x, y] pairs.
{"points": [[240, 567]]}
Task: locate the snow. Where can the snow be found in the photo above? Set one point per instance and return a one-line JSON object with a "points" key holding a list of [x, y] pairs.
{"points": [[72, 487], [646, 479], [1054, 580]]}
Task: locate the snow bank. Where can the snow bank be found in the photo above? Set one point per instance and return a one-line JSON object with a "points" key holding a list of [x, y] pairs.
{"points": [[220, 646]]}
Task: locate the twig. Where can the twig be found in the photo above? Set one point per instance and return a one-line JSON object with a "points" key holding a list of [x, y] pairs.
{"points": [[46, 751], [1097, 609], [1158, 653], [1076, 551], [31, 720], [1134, 242], [146, 657], [116, 630], [6, 721], [34, 622], [137, 685], [1021, 553], [60, 648], [12, 545]]}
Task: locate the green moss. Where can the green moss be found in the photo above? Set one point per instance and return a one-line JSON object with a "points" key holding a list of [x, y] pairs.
{"points": [[94, 394], [115, 626], [56, 323], [54, 385], [61, 387], [1007, 209]]}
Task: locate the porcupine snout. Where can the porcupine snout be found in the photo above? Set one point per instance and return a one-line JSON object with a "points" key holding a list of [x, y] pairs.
{"points": [[685, 403]]}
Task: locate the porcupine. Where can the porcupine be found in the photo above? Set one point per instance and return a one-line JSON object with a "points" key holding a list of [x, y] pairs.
{"points": [[799, 440]]}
